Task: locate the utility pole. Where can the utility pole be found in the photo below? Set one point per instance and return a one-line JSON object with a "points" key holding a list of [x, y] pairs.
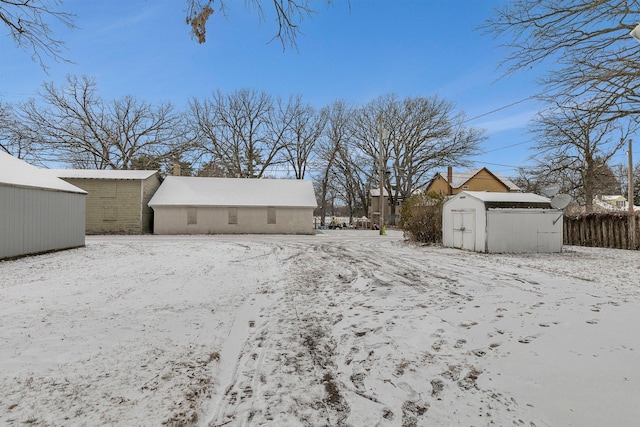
{"points": [[381, 177], [630, 198]]}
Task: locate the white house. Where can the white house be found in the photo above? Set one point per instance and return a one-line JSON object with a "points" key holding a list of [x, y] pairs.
{"points": [[501, 222], [194, 205], [38, 212]]}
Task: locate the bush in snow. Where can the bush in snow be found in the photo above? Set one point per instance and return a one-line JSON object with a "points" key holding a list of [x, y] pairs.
{"points": [[421, 217]]}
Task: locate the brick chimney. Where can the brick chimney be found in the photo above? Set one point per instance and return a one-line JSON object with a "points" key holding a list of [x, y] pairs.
{"points": [[176, 168], [449, 180]]}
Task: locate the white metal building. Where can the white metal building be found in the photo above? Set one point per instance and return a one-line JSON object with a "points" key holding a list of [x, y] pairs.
{"points": [[195, 205], [501, 222], [38, 212]]}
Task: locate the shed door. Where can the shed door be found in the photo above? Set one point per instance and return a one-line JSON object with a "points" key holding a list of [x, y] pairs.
{"points": [[464, 236]]}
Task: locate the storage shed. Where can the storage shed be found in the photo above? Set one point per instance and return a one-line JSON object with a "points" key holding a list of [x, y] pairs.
{"points": [[38, 212], [194, 205], [501, 222], [117, 200]]}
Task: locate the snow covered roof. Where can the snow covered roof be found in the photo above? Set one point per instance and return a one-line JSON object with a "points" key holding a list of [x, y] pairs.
{"points": [[375, 192], [458, 179], [506, 200], [615, 197], [103, 174], [18, 173], [197, 191]]}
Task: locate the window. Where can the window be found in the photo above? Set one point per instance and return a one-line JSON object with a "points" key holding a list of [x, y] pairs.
{"points": [[233, 215], [107, 190], [110, 214], [192, 216], [271, 215]]}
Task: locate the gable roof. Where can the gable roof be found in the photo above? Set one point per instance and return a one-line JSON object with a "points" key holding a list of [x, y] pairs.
{"points": [[200, 191], [18, 173], [458, 179], [103, 173]]}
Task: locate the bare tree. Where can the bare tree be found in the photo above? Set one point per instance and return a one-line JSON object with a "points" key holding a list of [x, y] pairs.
{"points": [[621, 172], [334, 139], [28, 24], [576, 143], [303, 127], [289, 14], [79, 128], [422, 134], [238, 132], [351, 172], [584, 43], [16, 138]]}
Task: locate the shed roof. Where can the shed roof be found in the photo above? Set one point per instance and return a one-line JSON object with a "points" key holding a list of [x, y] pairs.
{"points": [[508, 200], [200, 191], [18, 173], [103, 173], [458, 179]]}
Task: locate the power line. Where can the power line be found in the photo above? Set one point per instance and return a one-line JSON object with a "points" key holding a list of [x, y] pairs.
{"points": [[507, 146], [499, 109]]}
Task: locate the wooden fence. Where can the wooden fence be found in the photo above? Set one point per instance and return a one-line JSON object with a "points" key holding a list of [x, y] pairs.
{"points": [[604, 230]]}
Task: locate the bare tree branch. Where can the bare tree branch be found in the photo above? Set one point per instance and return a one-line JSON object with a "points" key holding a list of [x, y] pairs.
{"points": [[289, 15], [29, 27], [584, 44], [79, 128]]}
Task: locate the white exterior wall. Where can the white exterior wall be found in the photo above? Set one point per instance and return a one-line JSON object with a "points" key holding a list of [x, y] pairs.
{"points": [[464, 224], [34, 220], [524, 230], [215, 220], [467, 224]]}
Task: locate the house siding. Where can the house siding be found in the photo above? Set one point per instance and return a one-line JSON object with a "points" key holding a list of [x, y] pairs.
{"points": [[439, 185], [483, 180], [215, 220], [118, 206], [36, 220]]}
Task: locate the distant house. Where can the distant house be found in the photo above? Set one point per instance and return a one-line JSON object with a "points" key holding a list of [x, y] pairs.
{"points": [[375, 204], [615, 202], [38, 212], [473, 180], [195, 205], [117, 200]]}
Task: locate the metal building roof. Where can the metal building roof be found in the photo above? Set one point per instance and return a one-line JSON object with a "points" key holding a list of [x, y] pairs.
{"points": [[18, 173]]}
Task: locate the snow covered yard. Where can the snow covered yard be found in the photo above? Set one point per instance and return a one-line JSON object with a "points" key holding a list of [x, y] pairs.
{"points": [[341, 328]]}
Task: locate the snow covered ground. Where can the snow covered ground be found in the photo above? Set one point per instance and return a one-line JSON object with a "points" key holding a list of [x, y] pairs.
{"points": [[340, 328]]}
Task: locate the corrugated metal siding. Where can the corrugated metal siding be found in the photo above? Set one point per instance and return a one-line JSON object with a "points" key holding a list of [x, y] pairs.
{"points": [[35, 220], [524, 230]]}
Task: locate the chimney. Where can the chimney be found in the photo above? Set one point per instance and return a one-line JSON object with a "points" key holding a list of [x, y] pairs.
{"points": [[176, 168], [449, 180]]}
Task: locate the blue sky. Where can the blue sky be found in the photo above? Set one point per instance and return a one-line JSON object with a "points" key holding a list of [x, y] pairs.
{"points": [[357, 53]]}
